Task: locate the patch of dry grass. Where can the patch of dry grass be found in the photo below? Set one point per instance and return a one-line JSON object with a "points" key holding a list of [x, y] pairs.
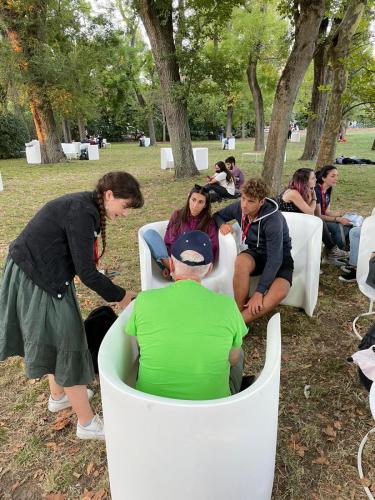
{"points": [[318, 436]]}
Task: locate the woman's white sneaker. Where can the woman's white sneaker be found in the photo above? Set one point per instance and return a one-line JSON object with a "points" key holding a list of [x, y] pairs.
{"points": [[95, 429], [55, 405]]}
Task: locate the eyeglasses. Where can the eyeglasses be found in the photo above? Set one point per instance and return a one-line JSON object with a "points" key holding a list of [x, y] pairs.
{"points": [[200, 189]]}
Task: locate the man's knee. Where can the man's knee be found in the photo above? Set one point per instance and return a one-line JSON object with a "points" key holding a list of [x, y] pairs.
{"points": [[279, 289], [244, 263]]}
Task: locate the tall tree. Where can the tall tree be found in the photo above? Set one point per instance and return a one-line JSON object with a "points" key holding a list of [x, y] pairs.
{"points": [[307, 17], [339, 50], [157, 17], [26, 28], [319, 94]]}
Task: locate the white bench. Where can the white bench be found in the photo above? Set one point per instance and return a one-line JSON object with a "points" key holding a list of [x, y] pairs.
{"points": [[166, 158], [167, 449], [93, 151], [1, 184], [231, 143], [71, 149]]}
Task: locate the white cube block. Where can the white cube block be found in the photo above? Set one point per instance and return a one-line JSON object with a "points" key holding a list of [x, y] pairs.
{"points": [[201, 158], [147, 142], [1, 184], [33, 152], [166, 158], [93, 151]]}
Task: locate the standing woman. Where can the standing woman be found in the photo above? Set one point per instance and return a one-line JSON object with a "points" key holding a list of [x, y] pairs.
{"points": [[222, 182], [335, 227], [39, 313]]}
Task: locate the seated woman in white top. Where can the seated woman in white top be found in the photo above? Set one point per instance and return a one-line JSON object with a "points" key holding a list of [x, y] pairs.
{"points": [[222, 181]]}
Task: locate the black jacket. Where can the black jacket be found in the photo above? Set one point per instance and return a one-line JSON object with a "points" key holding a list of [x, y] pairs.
{"points": [[268, 235], [58, 243]]}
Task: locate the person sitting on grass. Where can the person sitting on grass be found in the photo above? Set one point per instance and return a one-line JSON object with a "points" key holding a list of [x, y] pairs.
{"points": [[265, 249], [237, 173], [222, 182], [196, 214], [335, 227], [189, 337]]}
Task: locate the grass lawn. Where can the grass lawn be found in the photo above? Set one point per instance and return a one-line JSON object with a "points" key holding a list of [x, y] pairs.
{"points": [[318, 437]]}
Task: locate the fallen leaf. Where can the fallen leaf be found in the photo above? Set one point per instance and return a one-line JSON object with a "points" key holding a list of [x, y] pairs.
{"points": [[41, 397], [366, 482], [56, 496], [15, 486], [61, 424], [337, 425], [77, 475], [96, 473], [329, 431], [89, 468], [372, 488], [52, 445], [322, 460]]}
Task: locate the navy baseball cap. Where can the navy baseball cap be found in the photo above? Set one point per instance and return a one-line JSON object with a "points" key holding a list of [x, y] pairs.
{"points": [[193, 240]]}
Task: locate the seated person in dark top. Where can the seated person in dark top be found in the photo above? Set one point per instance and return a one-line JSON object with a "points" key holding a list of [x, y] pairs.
{"points": [[266, 247], [299, 196], [237, 173]]}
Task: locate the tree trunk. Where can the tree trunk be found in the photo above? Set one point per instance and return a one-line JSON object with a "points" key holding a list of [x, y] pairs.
{"points": [[258, 102], [150, 120], [158, 23], [243, 130], [66, 130], [338, 53], [151, 129], [373, 145], [81, 128], [228, 128], [46, 130], [308, 20], [319, 98], [164, 125]]}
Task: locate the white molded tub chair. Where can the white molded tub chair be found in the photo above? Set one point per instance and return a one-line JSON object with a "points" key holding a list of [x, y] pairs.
{"points": [[220, 278], [306, 235], [167, 449], [366, 248]]}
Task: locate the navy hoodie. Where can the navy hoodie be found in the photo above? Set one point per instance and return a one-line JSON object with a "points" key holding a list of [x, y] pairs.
{"points": [[268, 235]]}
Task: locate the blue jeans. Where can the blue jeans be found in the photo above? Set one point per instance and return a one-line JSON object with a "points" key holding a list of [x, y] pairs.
{"points": [[156, 245], [354, 237], [339, 234]]}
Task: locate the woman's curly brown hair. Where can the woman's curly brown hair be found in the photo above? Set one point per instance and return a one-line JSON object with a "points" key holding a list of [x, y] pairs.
{"points": [[255, 188]]}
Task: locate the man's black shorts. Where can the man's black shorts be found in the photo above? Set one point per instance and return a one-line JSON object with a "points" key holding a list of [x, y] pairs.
{"points": [[285, 271]]}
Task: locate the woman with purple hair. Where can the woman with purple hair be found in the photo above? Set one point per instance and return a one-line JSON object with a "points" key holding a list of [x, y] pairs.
{"points": [[299, 196]]}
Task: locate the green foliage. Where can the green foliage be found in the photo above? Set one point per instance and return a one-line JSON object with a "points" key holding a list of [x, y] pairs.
{"points": [[13, 135]]}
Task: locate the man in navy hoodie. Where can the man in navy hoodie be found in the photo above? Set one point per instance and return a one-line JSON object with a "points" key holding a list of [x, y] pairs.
{"points": [[264, 249]]}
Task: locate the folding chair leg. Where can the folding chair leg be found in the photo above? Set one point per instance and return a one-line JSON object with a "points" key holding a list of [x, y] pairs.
{"points": [[369, 313]]}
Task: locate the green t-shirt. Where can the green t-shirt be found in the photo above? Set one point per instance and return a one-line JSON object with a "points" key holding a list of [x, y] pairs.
{"points": [[185, 333]]}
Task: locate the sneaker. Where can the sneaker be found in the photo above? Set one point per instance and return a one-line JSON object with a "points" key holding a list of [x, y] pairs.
{"points": [[62, 403], [347, 268], [95, 430], [349, 277], [336, 256]]}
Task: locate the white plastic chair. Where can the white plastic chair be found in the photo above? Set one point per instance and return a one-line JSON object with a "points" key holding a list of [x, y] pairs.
{"points": [[366, 248], [201, 158], [147, 142], [220, 278], [33, 152], [167, 449], [166, 158], [306, 235]]}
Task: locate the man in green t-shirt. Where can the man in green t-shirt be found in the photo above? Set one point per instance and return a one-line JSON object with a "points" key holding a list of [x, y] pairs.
{"points": [[189, 337]]}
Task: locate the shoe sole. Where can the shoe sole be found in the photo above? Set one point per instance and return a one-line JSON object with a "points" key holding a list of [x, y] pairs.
{"points": [[87, 438], [66, 405]]}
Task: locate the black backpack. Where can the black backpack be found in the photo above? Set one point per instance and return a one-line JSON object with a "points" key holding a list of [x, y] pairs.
{"points": [[97, 324], [367, 341]]}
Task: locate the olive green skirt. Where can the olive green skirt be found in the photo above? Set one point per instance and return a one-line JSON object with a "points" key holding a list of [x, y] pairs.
{"points": [[48, 332]]}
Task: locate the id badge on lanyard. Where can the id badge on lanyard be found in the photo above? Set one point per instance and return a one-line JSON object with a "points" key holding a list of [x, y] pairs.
{"points": [[244, 231]]}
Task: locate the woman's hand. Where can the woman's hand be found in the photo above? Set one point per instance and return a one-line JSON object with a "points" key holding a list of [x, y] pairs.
{"points": [[226, 229], [343, 221], [128, 297]]}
